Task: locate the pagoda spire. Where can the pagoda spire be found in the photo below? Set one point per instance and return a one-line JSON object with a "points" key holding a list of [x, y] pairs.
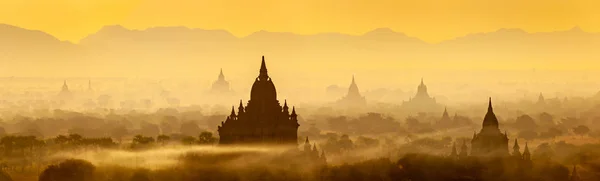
{"points": [[286, 108], [240, 108], [463, 150], [263, 69], [516, 149], [526, 153], [490, 121], [574, 175], [307, 145], [65, 87], [490, 108], [221, 75], [454, 153], [294, 112], [232, 112]]}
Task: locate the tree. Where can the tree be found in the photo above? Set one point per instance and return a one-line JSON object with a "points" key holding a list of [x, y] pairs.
{"points": [[552, 133], [366, 142], [525, 122], [188, 140], [190, 128], [163, 139], [546, 119], [412, 122], [142, 140], [528, 135], [581, 130], [140, 175], [345, 143], [149, 129], [2, 132], [4, 176], [69, 170], [206, 138], [119, 132]]}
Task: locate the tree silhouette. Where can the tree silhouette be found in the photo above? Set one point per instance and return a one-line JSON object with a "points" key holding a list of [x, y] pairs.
{"points": [[206, 138], [163, 139], [69, 170], [581, 130]]}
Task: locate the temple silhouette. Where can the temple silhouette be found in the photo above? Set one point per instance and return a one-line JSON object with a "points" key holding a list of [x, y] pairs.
{"points": [[312, 154], [65, 94], [263, 120], [353, 98], [422, 102], [489, 141], [221, 85]]}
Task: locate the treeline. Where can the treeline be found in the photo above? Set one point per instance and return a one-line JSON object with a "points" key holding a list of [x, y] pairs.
{"points": [[414, 167]]}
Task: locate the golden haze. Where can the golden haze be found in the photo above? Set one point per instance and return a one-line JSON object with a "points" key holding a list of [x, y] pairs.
{"points": [[430, 20]]}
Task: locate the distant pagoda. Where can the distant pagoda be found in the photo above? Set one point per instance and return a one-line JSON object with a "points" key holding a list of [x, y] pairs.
{"points": [[422, 101], [221, 85], [263, 120], [353, 98], [65, 93]]}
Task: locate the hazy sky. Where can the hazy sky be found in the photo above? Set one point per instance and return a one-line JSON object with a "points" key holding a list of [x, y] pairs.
{"points": [[430, 20]]}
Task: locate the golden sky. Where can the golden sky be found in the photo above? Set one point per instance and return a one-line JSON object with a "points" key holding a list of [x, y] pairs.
{"points": [[430, 20]]}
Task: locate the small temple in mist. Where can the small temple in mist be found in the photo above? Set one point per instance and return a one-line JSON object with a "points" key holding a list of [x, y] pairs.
{"points": [[221, 85], [422, 102], [65, 94], [490, 141], [353, 98], [263, 120]]}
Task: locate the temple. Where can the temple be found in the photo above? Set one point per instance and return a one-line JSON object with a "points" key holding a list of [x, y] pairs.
{"points": [[489, 141], [422, 100], [221, 85], [353, 98], [312, 154], [446, 122], [263, 120], [64, 93]]}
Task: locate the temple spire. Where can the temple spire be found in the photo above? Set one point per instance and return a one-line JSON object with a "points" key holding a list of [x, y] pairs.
{"points": [[240, 108], [516, 149], [526, 153], [422, 83], [286, 109], [306, 145], [232, 112], [490, 109], [454, 152], [221, 75], [574, 175], [263, 69]]}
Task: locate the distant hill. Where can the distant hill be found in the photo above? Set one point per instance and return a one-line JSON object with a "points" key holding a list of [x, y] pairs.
{"points": [[181, 50]]}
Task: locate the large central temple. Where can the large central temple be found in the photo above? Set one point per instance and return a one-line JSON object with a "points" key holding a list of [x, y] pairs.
{"points": [[489, 141], [263, 120]]}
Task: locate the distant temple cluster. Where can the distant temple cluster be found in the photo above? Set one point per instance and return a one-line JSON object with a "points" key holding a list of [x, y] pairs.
{"points": [[422, 100], [353, 98], [263, 120], [312, 154]]}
